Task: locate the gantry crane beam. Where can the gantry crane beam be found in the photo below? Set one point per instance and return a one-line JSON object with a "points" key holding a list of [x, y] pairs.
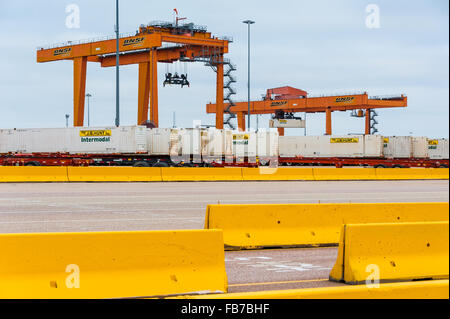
{"points": [[132, 43], [145, 49], [164, 55], [326, 104]]}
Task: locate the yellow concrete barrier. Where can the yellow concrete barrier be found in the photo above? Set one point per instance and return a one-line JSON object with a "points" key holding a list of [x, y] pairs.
{"points": [[278, 174], [440, 173], [111, 264], [411, 173], [392, 252], [114, 174], [155, 174], [430, 289], [347, 173], [185, 174], [33, 174], [274, 225]]}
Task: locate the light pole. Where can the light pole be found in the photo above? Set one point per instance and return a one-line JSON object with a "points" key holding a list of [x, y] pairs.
{"points": [[174, 125], [117, 64], [305, 123], [88, 111], [67, 120], [248, 22]]}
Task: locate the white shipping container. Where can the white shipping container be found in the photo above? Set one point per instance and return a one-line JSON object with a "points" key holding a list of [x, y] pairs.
{"points": [[125, 139], [97, 140], [33, 141], [228, 143], [299, 146], [184, 143], [288, 146], [158, 141], [310, 146], [244, 144], [438, 148], [287, 123], [175, 144], [267, 143], [331, 146], [191, 141], [373, 146], [341, 146], [420, 147], [213, 142], [397, 147]]}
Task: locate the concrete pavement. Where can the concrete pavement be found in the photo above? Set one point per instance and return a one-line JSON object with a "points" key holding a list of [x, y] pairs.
{"points": [[63, 207], [78, 207]]}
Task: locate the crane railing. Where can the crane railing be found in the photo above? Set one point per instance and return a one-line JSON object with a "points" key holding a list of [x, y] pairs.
{"points": [[103, 38], [84, 41]]}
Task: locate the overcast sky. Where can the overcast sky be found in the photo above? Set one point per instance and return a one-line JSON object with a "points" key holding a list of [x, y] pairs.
{"points": [[323, 47]]}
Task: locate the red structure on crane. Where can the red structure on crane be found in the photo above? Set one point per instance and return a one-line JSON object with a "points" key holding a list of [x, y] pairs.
{"points": [[285, 93]]}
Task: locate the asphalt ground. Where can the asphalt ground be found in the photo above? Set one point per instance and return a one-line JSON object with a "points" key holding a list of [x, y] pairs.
{"points": [[279, 269], [73, 207], [78, 207]]}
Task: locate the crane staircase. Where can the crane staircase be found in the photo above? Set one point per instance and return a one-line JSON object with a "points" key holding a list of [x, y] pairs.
{"points": [[212, 57]]}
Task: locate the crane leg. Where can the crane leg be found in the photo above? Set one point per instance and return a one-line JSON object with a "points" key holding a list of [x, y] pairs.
{"points": [[328, 120], [154, 87], [281, 131], [144, 92], [219, 97], [367, 121], [241, 121], [79, 89]]}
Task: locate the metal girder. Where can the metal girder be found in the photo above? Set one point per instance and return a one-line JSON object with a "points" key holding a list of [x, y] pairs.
{"points": [[324, 104]]}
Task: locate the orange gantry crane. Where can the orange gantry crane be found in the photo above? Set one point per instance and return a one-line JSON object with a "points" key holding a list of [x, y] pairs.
{"points": [[157, 42], [286, 100]]}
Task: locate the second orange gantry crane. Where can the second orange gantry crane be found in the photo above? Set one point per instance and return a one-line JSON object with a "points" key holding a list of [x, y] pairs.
{"points": [[285, 100], [157, 42]]}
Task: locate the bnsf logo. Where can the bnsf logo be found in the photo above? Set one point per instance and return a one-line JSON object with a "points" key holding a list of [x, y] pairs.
{"points": [[345, 99], [62, 51], [133, 41], [278, 103]]}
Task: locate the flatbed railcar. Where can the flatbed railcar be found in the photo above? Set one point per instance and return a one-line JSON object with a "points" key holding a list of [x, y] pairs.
{"points": [[365, 162], [136, 160]]}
